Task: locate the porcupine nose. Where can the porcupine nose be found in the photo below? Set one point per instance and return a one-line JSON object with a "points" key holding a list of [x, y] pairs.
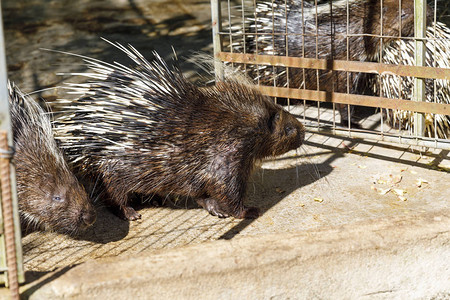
{"points": [[301, 134], [89, 218]]}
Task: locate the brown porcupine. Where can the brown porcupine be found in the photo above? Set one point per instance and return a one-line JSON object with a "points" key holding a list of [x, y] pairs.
{"points": [[146, 129], [322, 32], [49, 195]]}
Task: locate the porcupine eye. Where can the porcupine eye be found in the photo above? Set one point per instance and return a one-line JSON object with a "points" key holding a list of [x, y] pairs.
{"points": [[58, 198], [289, 130]]}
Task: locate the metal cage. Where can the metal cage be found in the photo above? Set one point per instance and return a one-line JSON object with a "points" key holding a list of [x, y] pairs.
{"points": [[302, 52]]}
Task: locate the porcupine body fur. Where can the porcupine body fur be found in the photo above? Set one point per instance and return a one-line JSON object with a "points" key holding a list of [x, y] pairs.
{"points": [[146, 129], [49, 194], [322, 33]]}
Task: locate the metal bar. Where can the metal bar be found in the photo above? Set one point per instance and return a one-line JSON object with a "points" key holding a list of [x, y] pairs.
{"points": [[3, 267], [378, 136], [434, 64], [420, 31], [4, 108], [8, 216], [5, 125], [371, 101], [217, 39], [337, 65]]}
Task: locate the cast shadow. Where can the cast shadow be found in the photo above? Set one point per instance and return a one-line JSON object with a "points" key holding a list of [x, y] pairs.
{"points": [[266, 188], [101, 232], [34, 280], [269, 187]]}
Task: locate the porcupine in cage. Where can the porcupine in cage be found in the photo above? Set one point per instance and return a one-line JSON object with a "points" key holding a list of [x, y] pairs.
{"points": [[321, 32], [401, 52]]}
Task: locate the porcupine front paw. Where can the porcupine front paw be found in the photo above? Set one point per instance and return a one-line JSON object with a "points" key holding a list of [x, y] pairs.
{"points": [[128, 213], [213, 207]]}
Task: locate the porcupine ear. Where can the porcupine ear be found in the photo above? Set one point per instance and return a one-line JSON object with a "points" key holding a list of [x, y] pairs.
{"points": [[274, 120]]}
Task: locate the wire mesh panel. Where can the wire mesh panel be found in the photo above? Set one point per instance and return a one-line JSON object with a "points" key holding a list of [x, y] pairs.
{"points": [[346, 66]]}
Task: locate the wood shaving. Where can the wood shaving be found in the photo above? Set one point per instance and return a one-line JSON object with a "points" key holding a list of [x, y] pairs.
{"points": [[383, 191], [399, 192], [396, 179], [420, 182]]}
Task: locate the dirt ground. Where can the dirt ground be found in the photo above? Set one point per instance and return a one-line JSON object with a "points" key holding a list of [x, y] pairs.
{"points": [[329, 182]]}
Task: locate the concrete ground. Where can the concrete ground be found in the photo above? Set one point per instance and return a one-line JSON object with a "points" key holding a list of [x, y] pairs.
{"points": [[341, 217], [329, 227], [325, 186]]}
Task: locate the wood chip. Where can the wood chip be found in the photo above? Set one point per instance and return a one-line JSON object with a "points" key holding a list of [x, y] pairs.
{"points": [[399, 192], [420, 182], [396, 179], [383, 191]]}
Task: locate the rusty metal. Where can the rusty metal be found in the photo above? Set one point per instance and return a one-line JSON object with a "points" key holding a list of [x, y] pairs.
{"points": [[8, 217], [371, 101], [11, 220], [336, 65]]}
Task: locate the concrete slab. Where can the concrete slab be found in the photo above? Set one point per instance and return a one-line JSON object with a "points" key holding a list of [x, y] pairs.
{"points": [[331, 225], [326, 186], [393, 258]]}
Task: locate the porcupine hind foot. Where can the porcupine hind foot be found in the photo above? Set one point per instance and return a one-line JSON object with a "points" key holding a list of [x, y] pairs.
{"points": [[213, 207], [343, 111], [126, 213]]}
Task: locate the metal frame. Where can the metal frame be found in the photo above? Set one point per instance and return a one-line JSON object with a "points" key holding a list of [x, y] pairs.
{"points": [[11, 262], [420, 31], [419, 72]]}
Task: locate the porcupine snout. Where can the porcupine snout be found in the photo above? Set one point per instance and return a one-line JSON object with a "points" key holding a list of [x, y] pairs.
{"points": [[88, 218], [295, 131]]}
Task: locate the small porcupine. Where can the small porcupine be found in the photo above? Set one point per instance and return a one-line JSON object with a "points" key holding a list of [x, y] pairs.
{"points": [[146, 129], [49, 195], [322, 32]]}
